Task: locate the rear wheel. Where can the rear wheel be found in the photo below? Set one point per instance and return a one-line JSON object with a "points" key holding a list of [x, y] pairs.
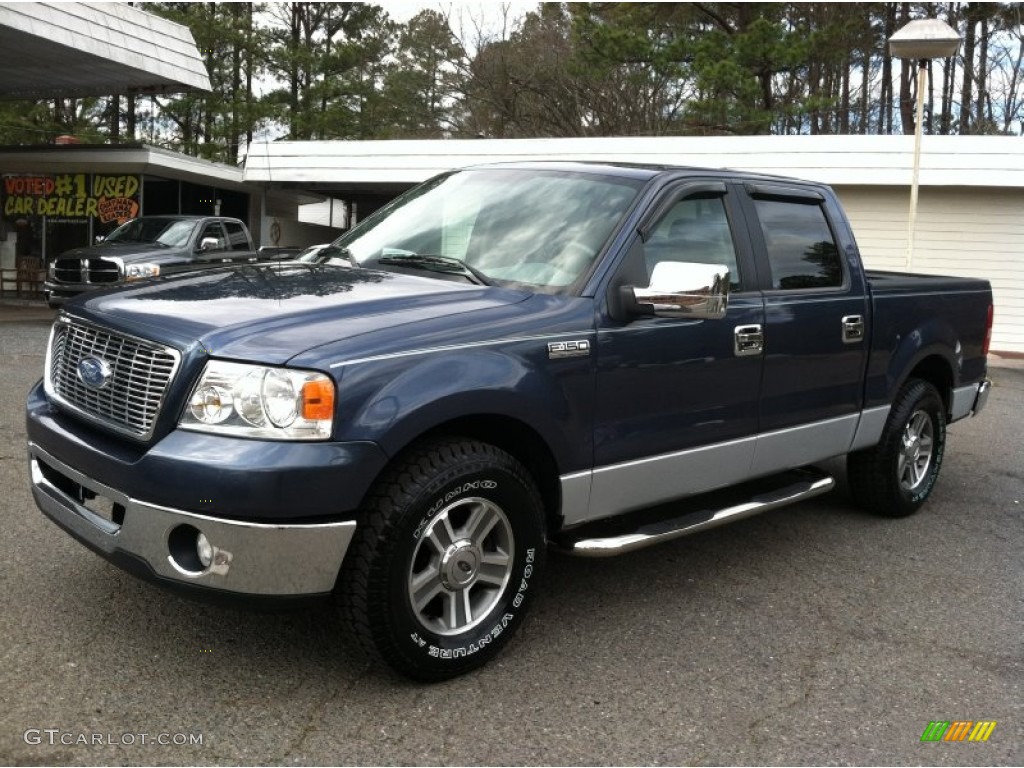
{"points": [[895, 477], [445, 560]]}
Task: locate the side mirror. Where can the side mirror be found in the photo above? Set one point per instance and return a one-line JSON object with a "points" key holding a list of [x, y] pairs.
{"points": [[100, 239], [208, 244], [682, 289]]}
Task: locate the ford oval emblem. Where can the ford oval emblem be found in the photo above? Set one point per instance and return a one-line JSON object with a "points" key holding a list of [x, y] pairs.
{"points": [[94, 372]]}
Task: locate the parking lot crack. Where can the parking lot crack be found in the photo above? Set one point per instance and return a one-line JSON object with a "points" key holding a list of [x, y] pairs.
{"points": [[316, 715]]}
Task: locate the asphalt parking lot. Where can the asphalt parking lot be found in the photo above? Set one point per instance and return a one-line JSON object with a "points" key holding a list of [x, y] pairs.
{"points": [[816, 634]]}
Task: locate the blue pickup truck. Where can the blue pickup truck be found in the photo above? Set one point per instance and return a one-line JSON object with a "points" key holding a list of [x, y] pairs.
{"points": [[591, 357]]}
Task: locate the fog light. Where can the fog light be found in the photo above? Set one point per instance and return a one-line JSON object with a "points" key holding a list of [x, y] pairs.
{"points": [[204, 549]]}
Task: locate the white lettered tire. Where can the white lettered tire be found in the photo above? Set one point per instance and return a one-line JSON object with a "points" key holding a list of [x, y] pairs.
{"points": [[896, 477], [446, 559]]}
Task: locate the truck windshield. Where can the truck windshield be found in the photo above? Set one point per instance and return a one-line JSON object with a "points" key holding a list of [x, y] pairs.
{"points": [[534, 228], [168, 232]]}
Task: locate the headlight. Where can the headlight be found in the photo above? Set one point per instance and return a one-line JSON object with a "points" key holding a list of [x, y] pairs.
{"points": [[260, 401], [139, 271]]}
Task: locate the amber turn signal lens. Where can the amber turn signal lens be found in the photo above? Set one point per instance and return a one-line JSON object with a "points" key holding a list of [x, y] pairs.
{"points": [[318, 400]]}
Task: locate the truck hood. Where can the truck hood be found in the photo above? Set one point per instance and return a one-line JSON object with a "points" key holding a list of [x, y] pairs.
{"points": [[128, 252], [270, 313]]}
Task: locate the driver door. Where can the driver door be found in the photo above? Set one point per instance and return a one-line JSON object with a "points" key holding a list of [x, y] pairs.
{"points": [[677, 398], [215, 254]]}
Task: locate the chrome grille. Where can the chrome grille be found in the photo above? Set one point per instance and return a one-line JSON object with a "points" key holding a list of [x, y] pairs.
{"points": [[68, 270], [140, 372], [96, 270], [102, 271]]}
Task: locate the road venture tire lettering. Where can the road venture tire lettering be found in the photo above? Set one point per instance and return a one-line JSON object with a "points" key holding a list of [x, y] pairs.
{"points": [[437, 578]]}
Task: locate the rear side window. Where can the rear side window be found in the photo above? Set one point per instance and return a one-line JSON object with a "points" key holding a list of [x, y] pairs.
{"points": [[802, 252]]}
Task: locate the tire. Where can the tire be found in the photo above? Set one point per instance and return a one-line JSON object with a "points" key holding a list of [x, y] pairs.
{"points": [[895, 477], [446, 559]]}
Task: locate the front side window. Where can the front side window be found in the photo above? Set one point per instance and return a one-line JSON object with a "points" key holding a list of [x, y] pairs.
{"points": [[214, 231], [536, 228], [696, 229], [802, 252]]}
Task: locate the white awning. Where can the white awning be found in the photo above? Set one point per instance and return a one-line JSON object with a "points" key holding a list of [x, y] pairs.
{"points": [[95, 49], [967, 161], [121, 158]]}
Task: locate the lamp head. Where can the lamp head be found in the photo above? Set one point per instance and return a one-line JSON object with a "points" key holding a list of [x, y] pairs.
{"points": [[924, 39]]}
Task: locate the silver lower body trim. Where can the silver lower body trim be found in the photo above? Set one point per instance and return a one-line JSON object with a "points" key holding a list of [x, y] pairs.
{"points": [[576, 490], [869, 428], [248, 558], [804, 444], [642, 483], [962, 401]]}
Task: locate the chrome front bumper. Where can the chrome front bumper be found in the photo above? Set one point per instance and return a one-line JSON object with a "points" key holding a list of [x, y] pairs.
{"points": [[247, 558]]}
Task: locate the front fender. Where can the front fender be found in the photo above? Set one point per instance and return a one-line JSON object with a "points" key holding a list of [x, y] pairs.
{"points": [[393, 402]]}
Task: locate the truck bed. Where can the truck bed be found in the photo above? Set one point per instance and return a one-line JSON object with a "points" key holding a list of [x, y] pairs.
{"points": [[891, 282], [915, 317]]}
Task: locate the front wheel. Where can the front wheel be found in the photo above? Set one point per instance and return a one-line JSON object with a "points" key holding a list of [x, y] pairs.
{"points": [[895, 477], [445, 560]]}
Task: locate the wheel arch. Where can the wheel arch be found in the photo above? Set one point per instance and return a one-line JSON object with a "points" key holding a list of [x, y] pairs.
{"points": [[937, 370], [930, 351], [516, 438]]}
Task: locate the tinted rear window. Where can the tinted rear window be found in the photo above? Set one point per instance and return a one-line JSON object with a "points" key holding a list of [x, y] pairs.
{"points": [[802, 252]]}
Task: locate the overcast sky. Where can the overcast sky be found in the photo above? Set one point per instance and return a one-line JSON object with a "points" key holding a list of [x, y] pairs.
{"points": [[487, 15]]}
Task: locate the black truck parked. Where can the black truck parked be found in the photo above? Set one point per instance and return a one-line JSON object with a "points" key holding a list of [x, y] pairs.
{"points": [[147, 247]]}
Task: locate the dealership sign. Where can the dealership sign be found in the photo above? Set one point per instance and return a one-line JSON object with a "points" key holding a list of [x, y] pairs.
{"points": [[72, 196]]}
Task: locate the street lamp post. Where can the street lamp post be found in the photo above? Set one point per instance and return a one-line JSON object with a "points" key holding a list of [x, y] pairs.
{"points": [[922, 40]]}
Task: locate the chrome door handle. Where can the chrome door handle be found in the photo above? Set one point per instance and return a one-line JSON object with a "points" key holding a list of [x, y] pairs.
{"points": [[853, 329], [748, 340]]}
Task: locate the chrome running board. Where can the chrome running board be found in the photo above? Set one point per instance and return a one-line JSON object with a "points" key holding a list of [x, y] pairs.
{"points": [[812, 483]]}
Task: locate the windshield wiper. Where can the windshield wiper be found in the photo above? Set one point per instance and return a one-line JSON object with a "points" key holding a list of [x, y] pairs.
{"points": [[435, 263]]}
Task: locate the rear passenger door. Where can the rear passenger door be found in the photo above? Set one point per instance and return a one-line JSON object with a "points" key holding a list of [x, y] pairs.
{"points": [[815, 326]]}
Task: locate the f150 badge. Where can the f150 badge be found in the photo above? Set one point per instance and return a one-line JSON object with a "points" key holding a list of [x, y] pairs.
{"points": [[558, 349]]}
